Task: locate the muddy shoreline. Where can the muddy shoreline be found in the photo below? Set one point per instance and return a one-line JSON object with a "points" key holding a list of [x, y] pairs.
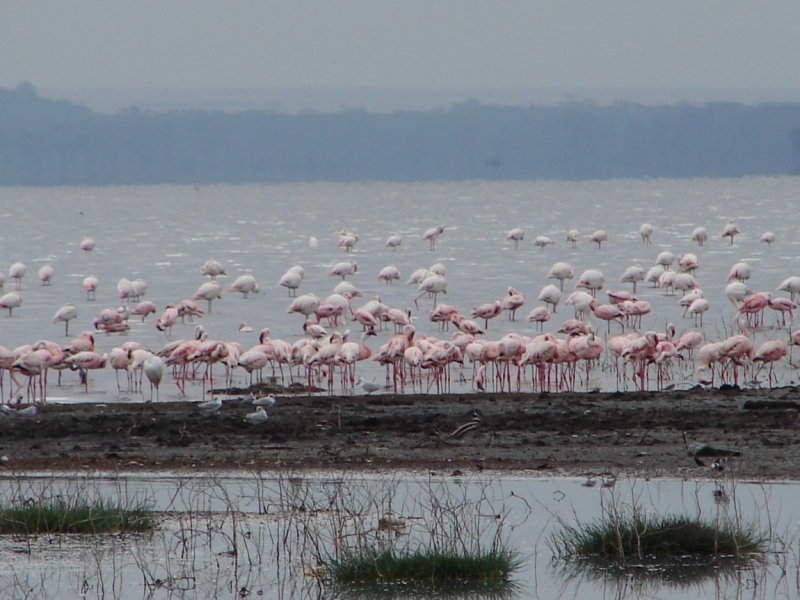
{"points": [[646, 434]]}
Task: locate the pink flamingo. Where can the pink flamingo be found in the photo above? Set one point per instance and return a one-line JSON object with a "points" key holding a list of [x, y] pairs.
{"points": [[730, 230], [598, 237], [511, 302], [550, 295], [389, 274], [592, 280], [769, 353], [486, 311], [560, 271], [144, 308], [86, 361], [539, 315], [516, 235], [291, 280], [431, 235], [700, 235], [633, 275], [209, 291], [782, 306], [606, 312], [244, 284], [90, 286], [443, 313]]}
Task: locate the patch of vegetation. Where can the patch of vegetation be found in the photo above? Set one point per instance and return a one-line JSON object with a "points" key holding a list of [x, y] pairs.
{"points": [[373, 565], [79, 515], [636, 536]]}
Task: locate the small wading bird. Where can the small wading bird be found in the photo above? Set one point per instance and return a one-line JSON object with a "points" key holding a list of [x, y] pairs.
{"points": [[211, 406], [367, 386], [266, 401]]}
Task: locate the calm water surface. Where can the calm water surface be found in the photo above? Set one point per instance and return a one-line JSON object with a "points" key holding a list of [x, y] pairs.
{"points": [[164, 234], [207, 516]]}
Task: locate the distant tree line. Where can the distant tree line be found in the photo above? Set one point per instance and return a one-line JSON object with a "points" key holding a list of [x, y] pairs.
{"points": [[46, 142]]}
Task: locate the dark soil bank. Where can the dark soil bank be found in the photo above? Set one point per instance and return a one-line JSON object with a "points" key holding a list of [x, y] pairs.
{"points": [[647, 434]]}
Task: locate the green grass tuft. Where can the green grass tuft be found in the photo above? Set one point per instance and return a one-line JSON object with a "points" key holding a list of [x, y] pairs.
{"points": [[59, 515], [423, 565], [638, 536]]}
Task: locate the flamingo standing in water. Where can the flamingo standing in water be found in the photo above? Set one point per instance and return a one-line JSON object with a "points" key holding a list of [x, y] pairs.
{"points": [[550, 295], [782, 305], [432, 234], [291, 280], [46, 274], [213, 269], [767, 238], [85, 361], [389, 274], [592, 280], [573, 235], [90, 285], [700, 235], [633, 275], [511, 302], [560, 271], [606, 312], [65, 314], [17, 272], [244, 284], [393, 242], [598, 237], [741, 271], [697, 309], [516, 235], [143, 309], [432, 285], [486, 311], [646, 230], [539, 315], [769, 353], [87, 245], [209, 291], [791, 285], [731, 230], [343, 269], [11, 301]]}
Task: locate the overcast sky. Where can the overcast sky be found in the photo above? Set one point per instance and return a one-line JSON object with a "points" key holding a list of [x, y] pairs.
{"points": [[401, 44]]}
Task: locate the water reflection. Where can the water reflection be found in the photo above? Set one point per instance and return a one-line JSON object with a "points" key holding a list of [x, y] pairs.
{"points": [[259, 535], [684, 578]]}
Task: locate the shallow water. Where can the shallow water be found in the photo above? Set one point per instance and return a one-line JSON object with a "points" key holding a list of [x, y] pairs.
{"points": [[208, 516], [164, 234]]}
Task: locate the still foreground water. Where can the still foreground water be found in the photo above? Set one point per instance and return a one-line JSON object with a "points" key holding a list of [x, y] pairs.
{"points": [[164, 234], [254, 534]]}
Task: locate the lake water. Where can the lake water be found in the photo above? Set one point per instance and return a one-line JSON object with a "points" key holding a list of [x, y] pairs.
{"points": [[258, 514], [164, 234]]}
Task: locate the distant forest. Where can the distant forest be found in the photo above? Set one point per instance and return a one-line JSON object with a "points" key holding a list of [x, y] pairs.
{"points": [[46, 142]]}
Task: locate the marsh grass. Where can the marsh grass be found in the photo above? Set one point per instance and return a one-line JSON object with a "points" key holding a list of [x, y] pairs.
{"points": [[627, 535], [638, 536], [392, 534], [79, 515]]}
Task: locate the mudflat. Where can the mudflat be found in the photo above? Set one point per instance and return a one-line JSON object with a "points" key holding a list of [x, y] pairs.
{"points": [[646, 434]]}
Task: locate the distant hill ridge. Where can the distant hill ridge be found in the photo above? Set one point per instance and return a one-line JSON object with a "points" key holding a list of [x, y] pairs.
{"points": [[46, 142]]}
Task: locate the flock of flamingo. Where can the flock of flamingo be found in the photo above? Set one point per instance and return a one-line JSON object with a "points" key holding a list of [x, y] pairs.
{"points": [[326, 355]]}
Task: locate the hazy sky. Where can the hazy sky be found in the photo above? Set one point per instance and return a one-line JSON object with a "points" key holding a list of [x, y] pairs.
{"points": [[401, 44]]}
